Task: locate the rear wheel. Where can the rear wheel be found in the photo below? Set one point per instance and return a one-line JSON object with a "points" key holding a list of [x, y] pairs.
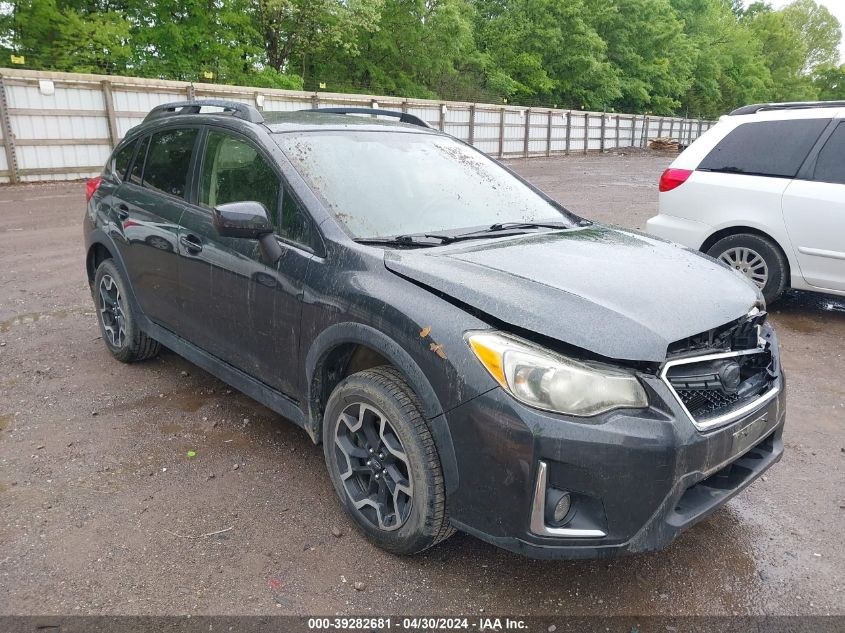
{"points": [[126, 342], [383, 462], [756, 257]]}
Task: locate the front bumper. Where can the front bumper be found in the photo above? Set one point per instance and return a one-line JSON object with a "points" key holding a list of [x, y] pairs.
{"points": [[637, 478]]}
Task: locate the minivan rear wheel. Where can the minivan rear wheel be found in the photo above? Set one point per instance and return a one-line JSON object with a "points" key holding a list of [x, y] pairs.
{"points": [[756, 257], [383, 462], [118, 326]]}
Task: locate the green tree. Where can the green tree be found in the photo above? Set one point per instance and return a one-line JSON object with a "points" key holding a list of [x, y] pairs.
{"points": [[784, 53], [418, 49], [729, 69], [651, 55], [545, 51], [829, 82], [819, 29], [67, 36]]}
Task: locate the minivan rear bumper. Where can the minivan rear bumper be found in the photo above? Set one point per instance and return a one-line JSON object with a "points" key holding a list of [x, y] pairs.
{"points": [[637, 479], [690, 233]]}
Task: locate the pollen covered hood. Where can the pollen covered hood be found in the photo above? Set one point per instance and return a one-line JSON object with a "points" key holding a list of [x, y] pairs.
{"points": [[616, 293]]}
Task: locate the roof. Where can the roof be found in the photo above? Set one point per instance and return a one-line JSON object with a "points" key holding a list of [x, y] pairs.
{"points": [[792, 105], [309, 120], [302, 120]]}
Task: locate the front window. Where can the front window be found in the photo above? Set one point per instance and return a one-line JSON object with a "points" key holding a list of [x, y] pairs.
{"points": [[382, 184]]}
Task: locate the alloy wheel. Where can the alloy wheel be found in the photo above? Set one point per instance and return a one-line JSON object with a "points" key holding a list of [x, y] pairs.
{"points": [[112, 311], [749, 262], [374, 468]]}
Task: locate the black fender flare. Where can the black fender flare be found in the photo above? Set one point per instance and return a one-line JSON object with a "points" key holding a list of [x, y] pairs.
{"points": [[358, 333], [101, 238]]}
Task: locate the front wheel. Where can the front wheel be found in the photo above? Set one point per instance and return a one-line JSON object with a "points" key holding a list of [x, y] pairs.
{"points": [[757, 258], [383, 462], [118, 326]]}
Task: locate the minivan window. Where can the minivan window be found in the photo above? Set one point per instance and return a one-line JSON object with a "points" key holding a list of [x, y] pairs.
{"points": [[234, 171], [765, 148], [138, 165], [382, 184], [830, 165], [122, 159], [168, 158]]}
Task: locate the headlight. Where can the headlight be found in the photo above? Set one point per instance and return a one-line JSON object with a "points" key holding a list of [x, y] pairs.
{"points": [[546, 380]]}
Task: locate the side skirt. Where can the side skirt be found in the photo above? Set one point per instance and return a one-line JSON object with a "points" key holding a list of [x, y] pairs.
{"points": [[255, 389]]}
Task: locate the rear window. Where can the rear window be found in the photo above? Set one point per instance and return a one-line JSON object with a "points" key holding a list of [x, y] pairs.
{"points": [[168, 159], [830, 165], [122, 159], [766, 148]]}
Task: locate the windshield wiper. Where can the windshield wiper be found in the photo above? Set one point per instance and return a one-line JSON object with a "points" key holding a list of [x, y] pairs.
{"points": [[501, 228], [408, 241]]}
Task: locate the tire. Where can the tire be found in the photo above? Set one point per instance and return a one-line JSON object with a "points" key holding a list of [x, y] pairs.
{"points": [[365, 399], [729, 250], [118, 325]]}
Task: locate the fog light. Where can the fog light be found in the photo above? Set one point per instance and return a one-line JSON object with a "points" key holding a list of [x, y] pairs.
{"points": [[562, 508], [558, 503]]}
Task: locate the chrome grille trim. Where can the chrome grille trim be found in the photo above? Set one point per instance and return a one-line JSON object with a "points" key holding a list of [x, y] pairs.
{"points": [[727, 418]]}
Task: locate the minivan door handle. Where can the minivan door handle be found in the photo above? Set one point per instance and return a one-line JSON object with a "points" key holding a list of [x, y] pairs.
{"points": [[122, 212], [191, 243]]}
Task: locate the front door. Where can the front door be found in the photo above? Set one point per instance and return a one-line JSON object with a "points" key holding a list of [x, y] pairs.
{"points": [[236, 305], [814, 213]]}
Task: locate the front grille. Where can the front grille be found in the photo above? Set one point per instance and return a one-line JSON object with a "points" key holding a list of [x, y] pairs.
{"points": [[714, 387], [706, 403]]}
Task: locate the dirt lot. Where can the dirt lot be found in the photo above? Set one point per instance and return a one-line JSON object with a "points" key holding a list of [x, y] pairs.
{"points": [[102, 510]]}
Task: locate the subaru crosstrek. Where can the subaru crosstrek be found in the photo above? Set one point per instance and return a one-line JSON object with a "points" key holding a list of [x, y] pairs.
{"points": [[470, 354]]}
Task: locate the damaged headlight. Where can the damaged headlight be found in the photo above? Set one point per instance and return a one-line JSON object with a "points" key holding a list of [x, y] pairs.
{"points": [[543, 379]]}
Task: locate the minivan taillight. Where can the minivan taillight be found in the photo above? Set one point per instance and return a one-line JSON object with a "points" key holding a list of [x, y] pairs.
{"points": [[91, 187], [673, 178]]}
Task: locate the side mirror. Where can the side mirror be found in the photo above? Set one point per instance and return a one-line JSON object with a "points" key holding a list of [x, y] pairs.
{"points": [[242, 219], [248, 220]]}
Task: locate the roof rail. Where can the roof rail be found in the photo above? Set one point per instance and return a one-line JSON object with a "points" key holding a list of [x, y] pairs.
{"points": [[235, 108], [403, 117], [793, 105]]}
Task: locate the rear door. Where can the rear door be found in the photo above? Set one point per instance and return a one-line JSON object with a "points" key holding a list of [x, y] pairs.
{"points": [[814, 214], [148, 207], [237, 306]]}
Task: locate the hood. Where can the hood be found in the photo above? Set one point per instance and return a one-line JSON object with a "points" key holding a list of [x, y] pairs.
{"points": [[616, 293]]}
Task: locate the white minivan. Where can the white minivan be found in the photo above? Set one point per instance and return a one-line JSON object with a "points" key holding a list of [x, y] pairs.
{"points": [[764, 191]]}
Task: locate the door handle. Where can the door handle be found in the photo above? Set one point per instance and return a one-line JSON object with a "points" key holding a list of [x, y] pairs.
{"points": [[122, 212], [191, 243]]}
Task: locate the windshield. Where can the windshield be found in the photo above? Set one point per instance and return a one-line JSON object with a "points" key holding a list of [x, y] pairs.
{"points": [[386, 184]]}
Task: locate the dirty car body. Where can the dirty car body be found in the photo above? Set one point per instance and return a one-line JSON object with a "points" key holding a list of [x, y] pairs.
{"points": [[587, 390]]}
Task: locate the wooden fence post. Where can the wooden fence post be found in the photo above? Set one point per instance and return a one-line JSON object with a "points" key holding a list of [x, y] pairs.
{"points": [[472, 124], [603, 129], [8, 136], [586, 131], [568, 131], [660, 128], [442, 120], [549, 135], [527, 133], [108, 100], [502, 133], [617, 131], [191, 92], [644, 138]]}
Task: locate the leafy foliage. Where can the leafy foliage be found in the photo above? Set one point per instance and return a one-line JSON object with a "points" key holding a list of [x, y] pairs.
{"points": [[697, 57]]}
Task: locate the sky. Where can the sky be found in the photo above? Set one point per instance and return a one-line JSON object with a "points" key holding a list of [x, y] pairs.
{"points": [[836, 7]]}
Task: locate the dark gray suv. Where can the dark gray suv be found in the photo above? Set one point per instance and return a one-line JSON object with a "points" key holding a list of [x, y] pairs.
{"points": [[470, 354]]}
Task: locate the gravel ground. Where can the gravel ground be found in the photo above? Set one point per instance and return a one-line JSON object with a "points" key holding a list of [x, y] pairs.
{"points": [[103, 512]]}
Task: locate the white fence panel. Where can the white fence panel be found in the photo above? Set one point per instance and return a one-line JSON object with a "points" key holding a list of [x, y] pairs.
{"points": [[64, 125]]}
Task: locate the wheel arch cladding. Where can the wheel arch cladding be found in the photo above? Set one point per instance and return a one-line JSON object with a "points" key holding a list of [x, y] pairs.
{"points": [[100, 248], [338, 345]]}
